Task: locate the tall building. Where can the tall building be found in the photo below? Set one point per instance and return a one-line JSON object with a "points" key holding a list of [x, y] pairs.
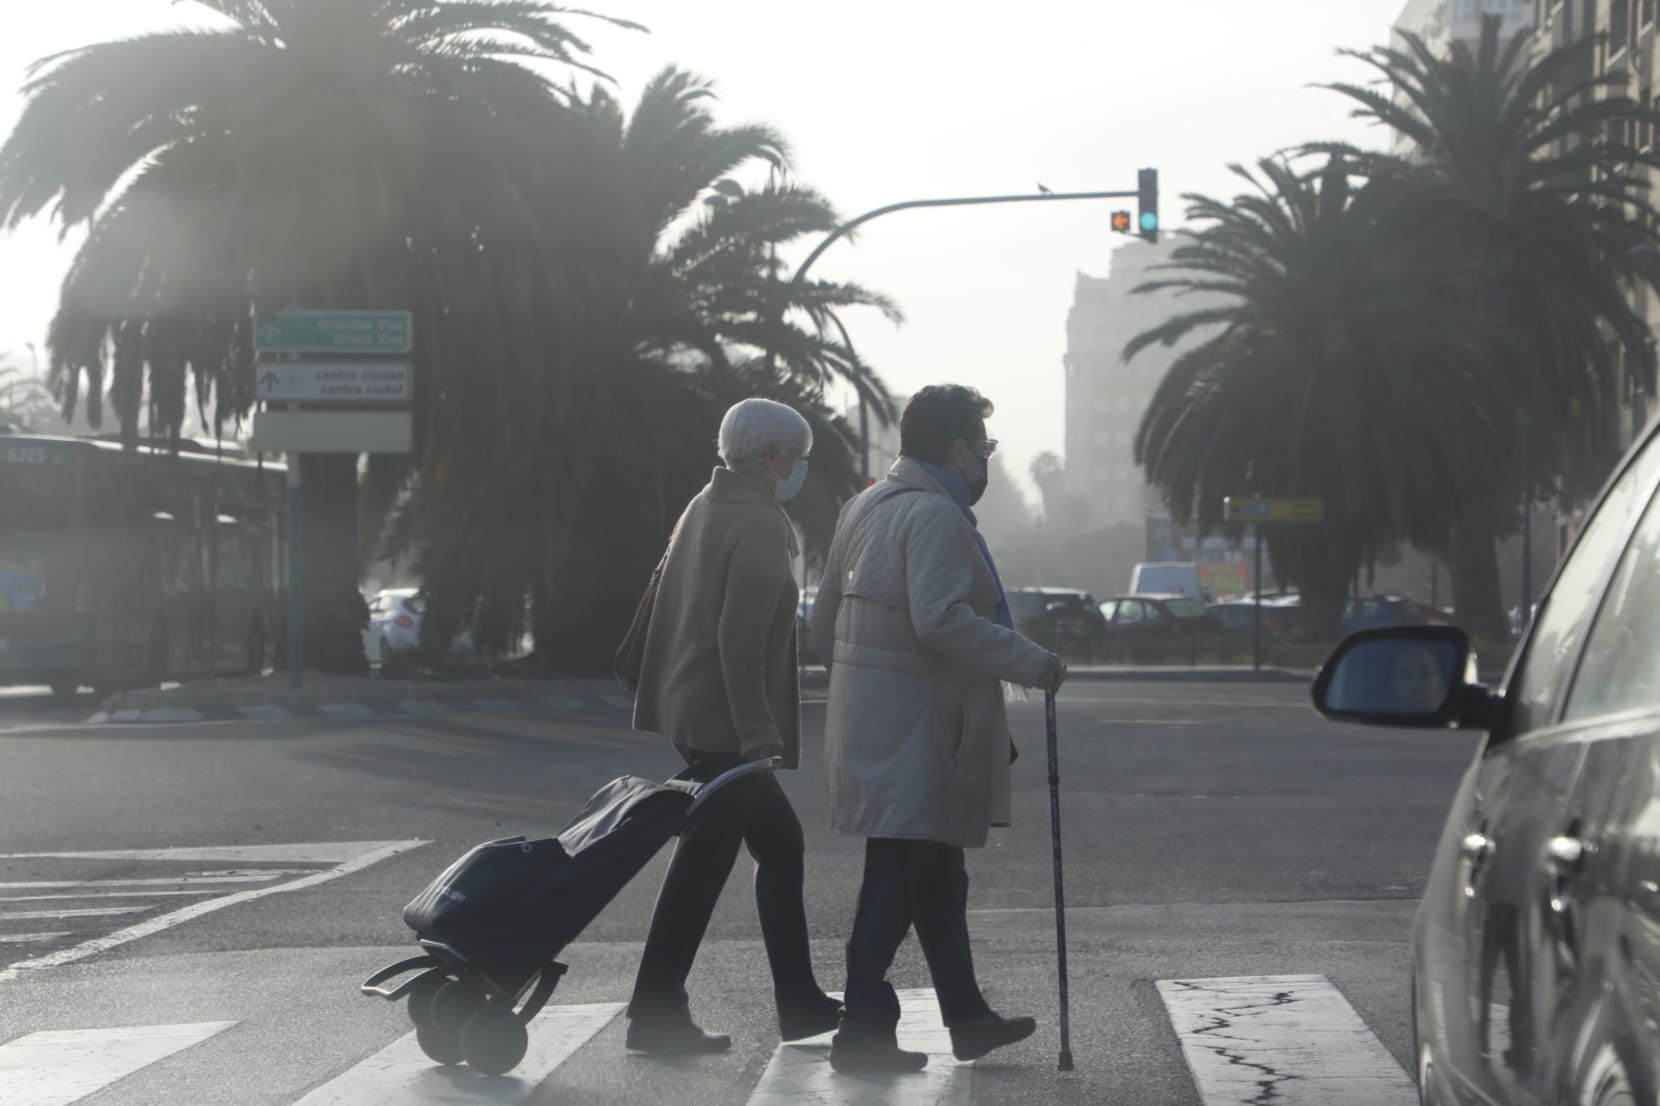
{"points": [[1441, 23], [1105, 397]]}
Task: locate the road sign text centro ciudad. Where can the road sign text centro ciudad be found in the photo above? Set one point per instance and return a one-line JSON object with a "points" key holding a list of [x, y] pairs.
{"points": [[357, 382]]}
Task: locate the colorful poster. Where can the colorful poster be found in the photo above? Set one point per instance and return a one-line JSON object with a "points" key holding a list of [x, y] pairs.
{"points": [[22, 585]]}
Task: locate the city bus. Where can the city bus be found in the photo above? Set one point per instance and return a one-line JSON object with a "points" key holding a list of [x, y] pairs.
{"points": [[123, 567]]}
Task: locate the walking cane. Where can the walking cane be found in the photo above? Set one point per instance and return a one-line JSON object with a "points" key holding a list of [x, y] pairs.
{"points": [[1060, 893]]}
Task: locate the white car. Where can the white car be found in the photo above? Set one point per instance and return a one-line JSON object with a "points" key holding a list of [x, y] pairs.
{"points": [[395, 626]]}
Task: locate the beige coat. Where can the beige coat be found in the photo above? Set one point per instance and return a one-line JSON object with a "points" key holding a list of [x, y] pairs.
{"points": [[916, 737], [719, 672]]}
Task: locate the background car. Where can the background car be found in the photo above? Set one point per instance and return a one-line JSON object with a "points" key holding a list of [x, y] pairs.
{"points": [[1065, 621], [394, 630], [1280, 615], [1369, 612], [1156, 618], [807, 651], [1536, 946]]}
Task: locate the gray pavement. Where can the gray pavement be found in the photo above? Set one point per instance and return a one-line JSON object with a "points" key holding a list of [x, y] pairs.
{"points": [[1213, 828]]}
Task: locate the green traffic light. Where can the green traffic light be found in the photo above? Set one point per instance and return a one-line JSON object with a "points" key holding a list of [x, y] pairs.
{"points": [[1149, 220]]}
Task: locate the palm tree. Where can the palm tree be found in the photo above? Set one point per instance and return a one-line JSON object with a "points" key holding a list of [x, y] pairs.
{"points": [[317, 153], [1523, 173], [1332, 366], [563, 485]]}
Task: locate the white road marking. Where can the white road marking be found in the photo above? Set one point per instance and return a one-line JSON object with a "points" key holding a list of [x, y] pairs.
{"points": [[263, 876], [31, 938], [137, 894], [37, 915], [401, 1072], [323, 852], [58, 1068], [357, 855], [800, 1071], [1293, 1040]]}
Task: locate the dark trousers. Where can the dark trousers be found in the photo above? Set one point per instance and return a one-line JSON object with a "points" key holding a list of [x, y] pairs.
{"points": [[910, 883], [755, 812]]}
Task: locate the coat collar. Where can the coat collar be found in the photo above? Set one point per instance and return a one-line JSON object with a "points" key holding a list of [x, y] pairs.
{"points": [[726, 486], [733, 487], [913, 475]]}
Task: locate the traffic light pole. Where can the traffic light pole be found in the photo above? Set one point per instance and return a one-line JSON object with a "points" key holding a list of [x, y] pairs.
{"points": [[959, 201]]}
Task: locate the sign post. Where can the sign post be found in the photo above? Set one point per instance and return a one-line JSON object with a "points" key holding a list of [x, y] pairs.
{"points": [[1257, 512], [343, 388]]}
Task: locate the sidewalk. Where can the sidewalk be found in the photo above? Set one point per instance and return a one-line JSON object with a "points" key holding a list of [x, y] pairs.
{"points": [[268, 698]]}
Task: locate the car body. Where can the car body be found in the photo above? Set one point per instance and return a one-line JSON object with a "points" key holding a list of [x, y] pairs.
{"points": [[394, 629], [1063, 620], [1239, 616], [1368, 612], [1536, 946], [1131, 618]]}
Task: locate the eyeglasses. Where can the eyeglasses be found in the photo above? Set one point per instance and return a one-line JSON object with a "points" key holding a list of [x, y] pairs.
{"points": [[986, 448]]}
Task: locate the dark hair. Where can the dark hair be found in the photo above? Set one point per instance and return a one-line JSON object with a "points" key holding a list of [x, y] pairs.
{"points": [[939, 415]]}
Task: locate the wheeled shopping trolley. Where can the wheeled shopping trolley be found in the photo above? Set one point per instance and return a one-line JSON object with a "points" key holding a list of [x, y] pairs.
{"points": [[493, 922]]}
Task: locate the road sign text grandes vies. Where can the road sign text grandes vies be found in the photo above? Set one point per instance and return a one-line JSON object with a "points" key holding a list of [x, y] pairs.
{"points": [[335, 332], [365, 382]]}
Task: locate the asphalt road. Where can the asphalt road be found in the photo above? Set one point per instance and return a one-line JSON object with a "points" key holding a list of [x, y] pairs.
{"points": [[259, 869]]}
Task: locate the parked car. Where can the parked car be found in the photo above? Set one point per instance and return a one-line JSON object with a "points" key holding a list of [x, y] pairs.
{"points": [[1536, 946], [1369, 612], [1062, 620], [1149, 618], [1238, 616], [394, 630]]}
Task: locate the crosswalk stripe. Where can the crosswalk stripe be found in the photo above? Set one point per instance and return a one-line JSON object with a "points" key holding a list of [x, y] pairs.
{"points": [[89, 912], [1293, 1039], [362, 854], [31, 938], [61, 1067], [800, 1071], [265, 876], [401, 1073], [82, 897]]}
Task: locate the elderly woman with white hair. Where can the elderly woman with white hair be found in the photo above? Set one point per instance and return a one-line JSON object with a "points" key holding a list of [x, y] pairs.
{"points": [[718, 678]]}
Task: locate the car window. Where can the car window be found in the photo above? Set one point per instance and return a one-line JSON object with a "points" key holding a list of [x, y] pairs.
{"points": [[1185, 608], [1131, 610], [416, 604], [1560, 626], [1621, 663], [1108, 608]]}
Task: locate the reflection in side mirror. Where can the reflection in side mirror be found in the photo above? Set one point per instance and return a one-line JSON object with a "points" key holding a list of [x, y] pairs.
{"points": [[1407, 677]]}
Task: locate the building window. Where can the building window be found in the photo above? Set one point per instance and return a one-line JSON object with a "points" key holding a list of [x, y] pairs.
{"points": [[1619, 25], [1648, 13]]}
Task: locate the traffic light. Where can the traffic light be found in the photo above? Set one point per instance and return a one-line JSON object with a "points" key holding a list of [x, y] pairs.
{"points": [[1148, 190], [1121, 222]]}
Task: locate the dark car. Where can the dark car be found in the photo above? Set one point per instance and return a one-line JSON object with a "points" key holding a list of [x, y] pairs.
{"points": [[807, 651], [1370, 612], [1536, 947], [1157, 618], [1063, 620], [1239, 616]]}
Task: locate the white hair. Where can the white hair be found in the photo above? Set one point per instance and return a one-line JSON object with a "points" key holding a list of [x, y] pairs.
{"points": [[753, 424]]}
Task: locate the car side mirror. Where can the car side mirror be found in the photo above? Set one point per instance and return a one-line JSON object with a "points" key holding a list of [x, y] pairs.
{"points": [[1410, 676]]}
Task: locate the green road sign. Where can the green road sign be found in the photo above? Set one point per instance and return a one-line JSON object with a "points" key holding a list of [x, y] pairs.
{"points": [[335, 332], [1273, 510]]}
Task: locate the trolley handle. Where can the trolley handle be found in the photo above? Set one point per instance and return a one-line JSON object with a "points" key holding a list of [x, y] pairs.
{"points": [[766, 764]]}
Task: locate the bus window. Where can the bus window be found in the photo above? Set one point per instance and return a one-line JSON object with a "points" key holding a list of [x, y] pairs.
{"points": [[36, 496]]}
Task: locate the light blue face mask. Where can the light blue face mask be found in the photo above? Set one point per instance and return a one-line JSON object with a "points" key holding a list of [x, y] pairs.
{"points": [[789, 487]]}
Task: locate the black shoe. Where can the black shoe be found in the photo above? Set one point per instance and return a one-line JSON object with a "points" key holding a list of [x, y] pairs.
{"points": [[870, 1052], [676, 1037], [972, 1040], [797, 1021]]}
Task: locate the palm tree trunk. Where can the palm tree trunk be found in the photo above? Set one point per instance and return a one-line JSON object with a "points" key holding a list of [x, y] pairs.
{"points": [[334, 609], [1475, 573]]}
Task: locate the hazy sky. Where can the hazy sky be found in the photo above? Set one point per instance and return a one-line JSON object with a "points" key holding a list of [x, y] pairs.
{"points": [[887, 100]]}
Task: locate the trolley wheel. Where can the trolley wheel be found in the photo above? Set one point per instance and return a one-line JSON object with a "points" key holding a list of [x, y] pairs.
{"points": [[440, 1047], [421, 995], [454, 1003], [494, 1040]]}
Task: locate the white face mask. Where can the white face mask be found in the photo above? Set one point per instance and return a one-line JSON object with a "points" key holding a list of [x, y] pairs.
{"points": [[789, 487]]}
